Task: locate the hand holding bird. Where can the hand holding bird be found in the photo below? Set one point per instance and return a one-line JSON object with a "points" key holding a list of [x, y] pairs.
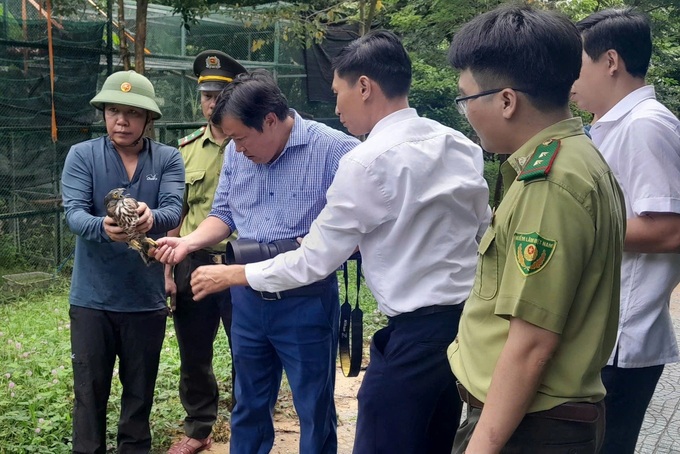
{"points": [[127, 225]]}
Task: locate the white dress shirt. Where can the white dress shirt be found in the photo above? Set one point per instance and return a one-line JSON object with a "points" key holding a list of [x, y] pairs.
{"points": [[414, 199], [640, 139]]}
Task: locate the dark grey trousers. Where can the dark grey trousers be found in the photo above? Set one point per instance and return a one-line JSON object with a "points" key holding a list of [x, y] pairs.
{"points": [[539, 435], [196, 324]]}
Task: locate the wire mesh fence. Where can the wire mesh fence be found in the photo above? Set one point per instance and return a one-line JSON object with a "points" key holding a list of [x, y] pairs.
{"points": [[37, 91], [33, 232]]}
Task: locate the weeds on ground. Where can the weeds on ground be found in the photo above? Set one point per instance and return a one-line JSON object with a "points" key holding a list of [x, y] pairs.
{"points": [[36, 378]]}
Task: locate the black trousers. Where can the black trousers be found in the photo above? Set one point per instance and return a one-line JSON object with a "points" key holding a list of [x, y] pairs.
{"points": [[97, 337], [408, 400], [540, 435], [196, 325], [629, 392]]}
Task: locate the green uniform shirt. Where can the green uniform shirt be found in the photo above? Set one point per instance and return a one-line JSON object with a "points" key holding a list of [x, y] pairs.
{"points": [[552, 257], [203, 158]]}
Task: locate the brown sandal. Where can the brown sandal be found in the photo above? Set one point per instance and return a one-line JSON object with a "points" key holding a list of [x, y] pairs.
{"points": [[183, 446]]}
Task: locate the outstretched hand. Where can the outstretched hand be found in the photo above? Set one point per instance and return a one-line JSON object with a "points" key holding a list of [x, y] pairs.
{"points": [[170, 250], [209, 279]]}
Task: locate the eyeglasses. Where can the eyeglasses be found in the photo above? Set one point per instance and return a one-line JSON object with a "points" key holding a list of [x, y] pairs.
{"points": [[461, 103]]}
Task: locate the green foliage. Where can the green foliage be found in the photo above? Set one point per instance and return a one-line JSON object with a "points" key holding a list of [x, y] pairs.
{"points": [[664, 71], [373, 318], [301, 23], [10, 258], [9, 27], [433, 92], [427, 26], [491, 175], [36, 378]]}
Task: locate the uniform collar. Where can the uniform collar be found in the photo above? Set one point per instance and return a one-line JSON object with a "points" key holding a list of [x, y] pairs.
{"points": [[560, 130], [207, 136]]}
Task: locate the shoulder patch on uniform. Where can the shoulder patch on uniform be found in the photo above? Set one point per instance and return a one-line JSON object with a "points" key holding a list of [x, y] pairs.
{"points": [[533, 252], [191, 137], [541, 161]]}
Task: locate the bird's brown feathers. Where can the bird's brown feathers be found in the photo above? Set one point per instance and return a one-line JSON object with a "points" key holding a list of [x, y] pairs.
{"points": [[122, 208]]}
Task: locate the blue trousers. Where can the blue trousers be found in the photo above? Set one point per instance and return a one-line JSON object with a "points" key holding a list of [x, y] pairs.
{"points": [[97, 337], [408, 401], [628, 394], [300, 336]]}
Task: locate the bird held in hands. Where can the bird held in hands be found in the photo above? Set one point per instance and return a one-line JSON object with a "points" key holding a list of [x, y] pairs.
{"points": [[122, 208]]}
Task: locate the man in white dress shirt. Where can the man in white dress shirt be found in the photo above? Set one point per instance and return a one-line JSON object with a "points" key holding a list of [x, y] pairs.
{"points": [[413, 198], [640, 139]]}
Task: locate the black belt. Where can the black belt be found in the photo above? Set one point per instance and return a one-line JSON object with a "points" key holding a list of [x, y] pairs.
{"points": [[209, 257], [568, 411], [428, 310], [314, 289]]}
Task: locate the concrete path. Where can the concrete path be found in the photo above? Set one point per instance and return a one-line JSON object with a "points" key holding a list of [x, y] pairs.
{"points": [[661, 429]]}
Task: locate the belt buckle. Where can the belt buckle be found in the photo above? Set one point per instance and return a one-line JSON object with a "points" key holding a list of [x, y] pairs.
{"points": [[216, 259], [269, 296]]}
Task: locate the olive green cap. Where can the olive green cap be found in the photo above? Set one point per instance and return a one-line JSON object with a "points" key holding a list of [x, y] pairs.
{"points": [[129, 89], [215, 70]]}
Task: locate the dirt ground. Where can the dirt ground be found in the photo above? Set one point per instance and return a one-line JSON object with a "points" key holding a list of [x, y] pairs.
{"points": [[288, 430]]}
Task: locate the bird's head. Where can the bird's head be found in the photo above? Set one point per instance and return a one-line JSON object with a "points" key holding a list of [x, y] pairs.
{"points": [[114, 195]]}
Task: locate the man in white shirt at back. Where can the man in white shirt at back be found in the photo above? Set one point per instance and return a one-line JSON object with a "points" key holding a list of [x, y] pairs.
{"points": [[413, 198], [640, 139]]}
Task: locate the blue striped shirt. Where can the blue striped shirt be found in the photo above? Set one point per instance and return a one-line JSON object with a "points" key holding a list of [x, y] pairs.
{"points": [[279, 200]]}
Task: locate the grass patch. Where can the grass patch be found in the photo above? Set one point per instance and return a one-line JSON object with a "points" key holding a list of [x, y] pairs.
{"points": [[36, 379]]}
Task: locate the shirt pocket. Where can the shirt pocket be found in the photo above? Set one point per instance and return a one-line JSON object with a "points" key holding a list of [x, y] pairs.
{"points": [[486, 277], [195, 195]]}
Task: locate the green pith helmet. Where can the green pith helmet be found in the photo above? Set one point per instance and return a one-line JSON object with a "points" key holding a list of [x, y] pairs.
{"points": [[130, 89]]}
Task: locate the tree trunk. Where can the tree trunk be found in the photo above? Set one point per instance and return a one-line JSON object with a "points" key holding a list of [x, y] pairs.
{"points": [[370, 16], [122, 37], [362, 21], [140, 35]]}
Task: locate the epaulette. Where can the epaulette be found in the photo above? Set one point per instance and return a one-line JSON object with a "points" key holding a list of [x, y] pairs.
{"points": [[191, 137], [541, 161]]}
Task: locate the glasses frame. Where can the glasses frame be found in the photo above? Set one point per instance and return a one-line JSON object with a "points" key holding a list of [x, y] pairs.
{"points": [[461, 102]]}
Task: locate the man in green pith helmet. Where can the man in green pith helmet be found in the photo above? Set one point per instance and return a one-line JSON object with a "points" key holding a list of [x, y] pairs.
{"points": [[196, 324], [118, 304]]}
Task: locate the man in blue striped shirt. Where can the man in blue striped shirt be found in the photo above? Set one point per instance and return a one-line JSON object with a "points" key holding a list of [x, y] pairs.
{"points": [[413, 198], [276, 171]]}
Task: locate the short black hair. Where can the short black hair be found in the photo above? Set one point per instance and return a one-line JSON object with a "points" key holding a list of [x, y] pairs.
{"points": [[380, 56], [249, 98], [538, 52], [624, 30]]}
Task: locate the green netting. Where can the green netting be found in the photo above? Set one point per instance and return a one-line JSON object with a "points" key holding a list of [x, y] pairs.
{"points": [[33, 233], [25, 89]]}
